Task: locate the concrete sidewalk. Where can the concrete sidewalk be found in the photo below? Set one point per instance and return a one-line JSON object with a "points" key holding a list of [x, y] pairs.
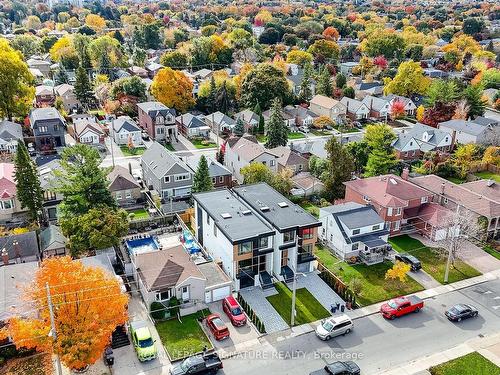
{"points": [[488, 347]]}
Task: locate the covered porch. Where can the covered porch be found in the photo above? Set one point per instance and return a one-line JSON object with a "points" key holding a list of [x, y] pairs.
{"points": [[373, 248]]}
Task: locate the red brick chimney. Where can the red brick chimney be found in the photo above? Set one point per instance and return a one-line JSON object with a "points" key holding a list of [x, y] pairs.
{"points": [[17, 249], [405, 174], [5, 256]]}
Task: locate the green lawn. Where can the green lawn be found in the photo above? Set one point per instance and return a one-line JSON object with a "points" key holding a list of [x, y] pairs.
{"points": [[308, 308], [201, 144], [320, 132], [433, 262], [169, 147], [488, 176], [183, 339], [374, 286], [132, 152], [470, 364], [348, 130], [139, 214], [310, 207], [490, 250], [296, 135]]}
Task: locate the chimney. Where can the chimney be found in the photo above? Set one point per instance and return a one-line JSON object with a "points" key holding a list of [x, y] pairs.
{"points": [[5, 256], [17, 249], [442, 188], [405, 174], [371, 104]]}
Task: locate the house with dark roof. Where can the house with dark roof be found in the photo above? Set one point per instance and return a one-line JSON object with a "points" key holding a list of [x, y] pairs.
{"points": [[52, 242], [166, 173], [479, 131], [158, 120], [364, 89], [220, 175], [295, 77], [192, 126], [242, 151], [10, 134], [126, 131], [303, 116], [67, 94], [250, 119], [354, 230], [10, 207], [19, 248], [220, 122], [123, 187], [51, 198], [409, 105], [49, 128], [414, 143], [290, 159], [379, 108]]}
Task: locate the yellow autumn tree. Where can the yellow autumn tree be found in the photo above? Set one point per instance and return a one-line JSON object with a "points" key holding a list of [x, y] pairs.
{"points": [[88, 305], [420, 112], [62, 48], [173, 88], [492, 155], [398, 272], [238, 79], [409, 79], [95, 22]]}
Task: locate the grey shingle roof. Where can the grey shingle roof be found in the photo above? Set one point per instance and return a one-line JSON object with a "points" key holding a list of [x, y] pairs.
{"points": [[290, 216], [28, 244], [238, 226], [153, 108], [214, 167], [159, 160], [10, 130], [355, 215], [189, 120], [125, 122], [468, 127], [51, 238], [436, 136]]}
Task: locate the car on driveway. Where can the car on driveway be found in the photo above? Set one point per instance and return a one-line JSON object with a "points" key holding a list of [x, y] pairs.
{"points": [[304, 129], [142, 340], [461, 311], [198, 364], [334, 326], [234, 311], [339, 368], [400, 306], [217, 327], [414, 263]]}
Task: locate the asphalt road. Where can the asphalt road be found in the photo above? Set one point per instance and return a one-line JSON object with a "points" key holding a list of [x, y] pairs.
{"points": [[375, 343]]}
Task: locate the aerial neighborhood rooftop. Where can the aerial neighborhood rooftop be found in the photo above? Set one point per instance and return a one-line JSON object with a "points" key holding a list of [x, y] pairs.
{"points": [[193, 187]]}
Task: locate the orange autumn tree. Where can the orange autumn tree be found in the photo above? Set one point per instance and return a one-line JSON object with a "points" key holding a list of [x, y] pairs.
{"points": [[88, 305], [173, 88]]}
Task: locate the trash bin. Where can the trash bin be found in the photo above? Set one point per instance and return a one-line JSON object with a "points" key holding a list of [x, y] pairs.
{"points": [[109, 358], [333, 309], [342, 308]]}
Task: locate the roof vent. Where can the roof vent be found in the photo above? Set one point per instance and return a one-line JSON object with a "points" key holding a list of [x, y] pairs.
{"points": [[264, 209], [226, 215], [246, 212], [393, 181], [283, 204], [490, 183]]}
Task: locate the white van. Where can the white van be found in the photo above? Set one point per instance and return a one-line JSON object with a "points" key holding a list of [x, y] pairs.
{"points": [[334, 326]]}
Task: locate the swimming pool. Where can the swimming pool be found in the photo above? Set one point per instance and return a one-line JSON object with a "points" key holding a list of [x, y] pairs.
{"points": [[142, 245]]}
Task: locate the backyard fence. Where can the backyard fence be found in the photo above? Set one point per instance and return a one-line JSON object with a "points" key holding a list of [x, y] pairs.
{"points": [[334, 282], [251, 314]]}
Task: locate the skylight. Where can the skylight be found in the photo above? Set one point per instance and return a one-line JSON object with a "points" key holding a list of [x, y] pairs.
{"points": [[283, 204], [226, 215], [264, 208]]}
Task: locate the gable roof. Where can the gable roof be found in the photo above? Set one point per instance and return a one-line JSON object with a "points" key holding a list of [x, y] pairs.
{"points": [[10, 130], [191, 121], [125, 123], [463, 126], [64, 88], [27, 245], [82, 125], [249, 150], [352, 105], [7, 182], [51, 238], [248, 116], [121, 179], [287, 157], [354, 215], [375, 103], [159, 160], [324, 101], [435, 136], [221, 119], [155, 108], [215, 169]]}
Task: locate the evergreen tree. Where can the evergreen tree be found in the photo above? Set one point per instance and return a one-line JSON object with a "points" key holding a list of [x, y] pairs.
{"points": [[305, 86], [61, 75], [340, 80], [474, 97], [239, 128], [212, 96], [258, 111], [340, 166], [222, 101], [104, 64], [277, 130], [83, 88], [29, 191], [202, 180], [85, 60], [324, 86], [382, 158]]}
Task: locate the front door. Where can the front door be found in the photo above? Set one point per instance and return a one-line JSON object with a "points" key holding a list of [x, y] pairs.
{"points": [[185, 293]]}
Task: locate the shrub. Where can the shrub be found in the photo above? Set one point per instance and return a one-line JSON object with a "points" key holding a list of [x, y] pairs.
{"points": [[174, 305], [157, 310]]}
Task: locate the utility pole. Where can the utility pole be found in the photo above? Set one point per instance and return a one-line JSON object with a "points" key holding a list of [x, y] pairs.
{"points": [[111, 141], [53, 327], [294, 287]]}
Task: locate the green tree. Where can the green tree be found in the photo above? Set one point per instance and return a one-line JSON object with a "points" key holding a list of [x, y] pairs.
{"points": [[262, 84], [386, 43], [261, 125], [441, 91], [340, 80], [409, 80], [201, 179], [82, 183], [83, 87], [472, 26], [29, 191], [239, 128], [339, 169], [359, 152], [174, 60], [27, 44], [61, 76], [305, 93], [324, 86], [474, 97], [348, 92], [257, 172], [382, 157], [277, 130], [212, 96]]}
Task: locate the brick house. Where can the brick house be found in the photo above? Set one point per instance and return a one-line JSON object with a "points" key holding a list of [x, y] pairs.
{"points": [[158, 120]]}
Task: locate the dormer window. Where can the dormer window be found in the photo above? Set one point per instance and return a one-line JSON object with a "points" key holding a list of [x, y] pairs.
{"points": [[159, 120]]}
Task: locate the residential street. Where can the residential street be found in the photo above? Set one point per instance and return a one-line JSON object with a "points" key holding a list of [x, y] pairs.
{"points": [[378, 344]]}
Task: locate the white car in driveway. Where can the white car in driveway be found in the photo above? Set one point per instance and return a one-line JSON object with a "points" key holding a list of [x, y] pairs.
{"points": [[334, 326]]}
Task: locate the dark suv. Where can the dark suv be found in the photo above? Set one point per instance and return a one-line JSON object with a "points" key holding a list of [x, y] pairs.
{"points": [[409, 259]]}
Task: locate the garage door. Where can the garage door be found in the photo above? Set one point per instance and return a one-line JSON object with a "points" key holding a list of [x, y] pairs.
{"points": [[220, 293]]}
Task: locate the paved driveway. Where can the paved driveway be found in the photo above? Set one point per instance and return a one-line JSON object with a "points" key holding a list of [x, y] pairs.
{"points": [[237, 336]]}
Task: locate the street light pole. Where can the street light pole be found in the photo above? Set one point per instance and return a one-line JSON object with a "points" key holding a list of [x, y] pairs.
{"points": [[294, 290], [53, 327]]}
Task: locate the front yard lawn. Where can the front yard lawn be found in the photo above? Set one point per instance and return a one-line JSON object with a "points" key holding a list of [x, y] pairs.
{"points": [[296, 135], [183, 339], [310, 207], [470, 364], [139, 214], [375, 287], [488, 175], [201, 144], [308, 308], [169, 147], [491, 250], [432, 261], [132, 152], [320, 132]]}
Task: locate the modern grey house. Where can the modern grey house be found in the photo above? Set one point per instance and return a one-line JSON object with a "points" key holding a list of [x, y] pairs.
{"points": [[48, 128], [166, 173]]}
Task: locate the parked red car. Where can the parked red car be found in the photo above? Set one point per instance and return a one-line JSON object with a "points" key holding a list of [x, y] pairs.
{"points": [[234, 311], [401, 306], [217, 327]]}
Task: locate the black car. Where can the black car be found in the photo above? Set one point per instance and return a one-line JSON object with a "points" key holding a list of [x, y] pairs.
{"points": [[460, 312], [411, 260], [339, 368], [198, 364]]}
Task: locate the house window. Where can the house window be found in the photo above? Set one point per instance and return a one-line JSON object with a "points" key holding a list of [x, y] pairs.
{"points": [[445, 200], [263, 242], [56, 128], [159, 120], [300, 167], [396, 225], [289, 236], [166, 179], [6, 205], [245, 248], [163, 296], [42, 129], [355, 246], [272, 163], [128, 194], [118, 195], [389, 211], [208, 219], [424, 200], [221, 179], [376, 227], [182, 177], [307, 233], [355, 231], [398, 211], [215, 231], [214, 180]]}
